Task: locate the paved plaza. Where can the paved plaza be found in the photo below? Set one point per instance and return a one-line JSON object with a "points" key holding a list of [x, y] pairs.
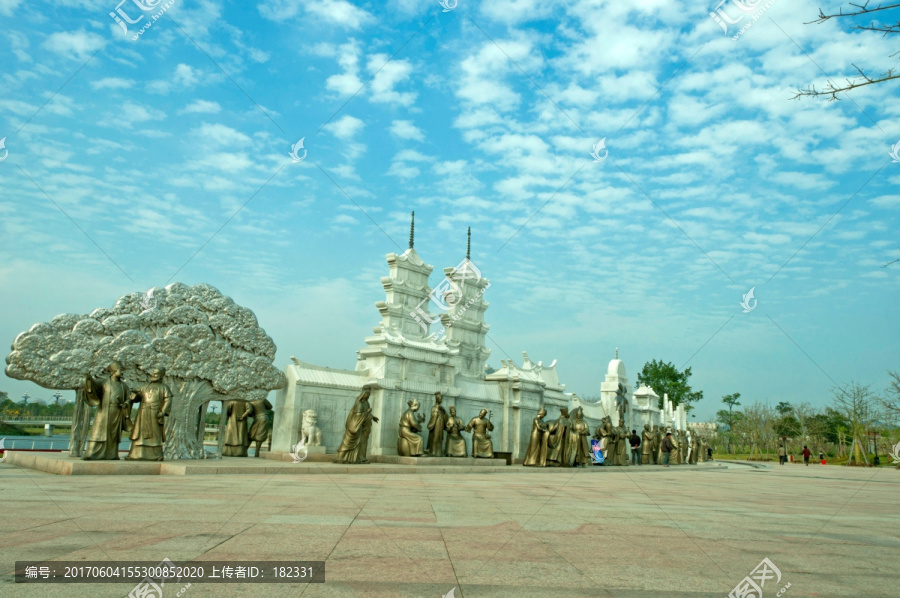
{"points": [[623, 532]]}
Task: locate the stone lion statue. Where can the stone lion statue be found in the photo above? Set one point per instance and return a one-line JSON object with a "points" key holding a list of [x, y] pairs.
{"points": [[310, 433]]}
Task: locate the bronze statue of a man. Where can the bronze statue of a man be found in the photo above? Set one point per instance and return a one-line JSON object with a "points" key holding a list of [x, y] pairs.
{"points": [[655, 445], [536, 456], [259, 431], [695, 448], [237, 432], [109, 396], [354, 445], [622, 443], [558, 438], [604, 435], [646, 444], [436, 427], [481, 440], [456, 442], [148, 433], [578, 450], [621, 401], [409, 442]]}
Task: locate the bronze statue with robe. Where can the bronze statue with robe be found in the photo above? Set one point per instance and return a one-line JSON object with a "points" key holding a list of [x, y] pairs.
{"points": [[409, 442], [259, 431], [536, 456], [481, 440], [558, 438], [646, 444], [655, 445], [109, 396], [456, 442], [604, 435], [695, 448], [148, 433], [436, 427], [623, 443], [354, 445], [237, 433], [578, 449]]}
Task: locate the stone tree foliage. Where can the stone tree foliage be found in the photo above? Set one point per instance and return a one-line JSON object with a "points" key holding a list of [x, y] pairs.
{"points": [[212, 349]]}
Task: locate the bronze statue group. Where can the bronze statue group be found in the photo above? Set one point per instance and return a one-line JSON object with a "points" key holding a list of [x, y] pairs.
{"points": [[561, 443], [564, 443], [114, 402]]}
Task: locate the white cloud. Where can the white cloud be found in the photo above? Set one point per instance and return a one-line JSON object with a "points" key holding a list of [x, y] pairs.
{"points": [[202, 107], [405, 129], [74, 44], [336, 12], [346, 127], [112, 83]]}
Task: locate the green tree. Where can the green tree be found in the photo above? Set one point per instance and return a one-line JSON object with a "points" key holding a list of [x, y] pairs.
{"points": [[664, 378], [783, 408]]}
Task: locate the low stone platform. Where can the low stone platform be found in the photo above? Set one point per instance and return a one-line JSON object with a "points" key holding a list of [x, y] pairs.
{"points": [[282, 463], [397, 460]]}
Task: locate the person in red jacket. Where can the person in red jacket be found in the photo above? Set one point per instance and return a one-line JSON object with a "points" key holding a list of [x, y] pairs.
{"points": [[806, 454]]}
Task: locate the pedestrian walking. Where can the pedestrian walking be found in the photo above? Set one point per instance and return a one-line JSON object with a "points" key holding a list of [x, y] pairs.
{"points": [[667, 447], [822, 457], [806, 455], [635, 441], [782, 455]]}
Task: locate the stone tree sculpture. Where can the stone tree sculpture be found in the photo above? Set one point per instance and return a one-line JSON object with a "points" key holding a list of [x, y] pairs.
{"points": [[211, 348]]}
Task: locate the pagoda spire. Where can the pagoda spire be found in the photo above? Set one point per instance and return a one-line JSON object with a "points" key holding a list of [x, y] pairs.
{"points": [[412, 228], [469, 243]]}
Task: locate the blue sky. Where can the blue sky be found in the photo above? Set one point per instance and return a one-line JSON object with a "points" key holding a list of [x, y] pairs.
{"points": [[132, 164]]}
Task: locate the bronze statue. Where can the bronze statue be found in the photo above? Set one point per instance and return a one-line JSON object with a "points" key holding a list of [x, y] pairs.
{"points": [[355, 443], [604, 435], [481, 440], [621, 401], [695, 448], [148, 432], [655, 445], [259, 431], [682, 447], [578, 449], [612, 446], [558, 435], [237, 437], [109, 397], [456, 442], [436, 426], [622, 443], [646, 444], [536, 456], [409, 442]]}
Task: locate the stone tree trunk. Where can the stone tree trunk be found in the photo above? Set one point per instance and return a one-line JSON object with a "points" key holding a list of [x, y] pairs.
{"points": [[184, 429]]}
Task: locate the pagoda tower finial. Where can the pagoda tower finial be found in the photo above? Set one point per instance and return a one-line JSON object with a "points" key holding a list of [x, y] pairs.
{"points": [[469, 243], [617, 349], [412, 228]]}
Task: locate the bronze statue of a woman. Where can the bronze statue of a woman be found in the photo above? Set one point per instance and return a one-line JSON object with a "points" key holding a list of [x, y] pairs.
{"points": [[356, 431]]}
